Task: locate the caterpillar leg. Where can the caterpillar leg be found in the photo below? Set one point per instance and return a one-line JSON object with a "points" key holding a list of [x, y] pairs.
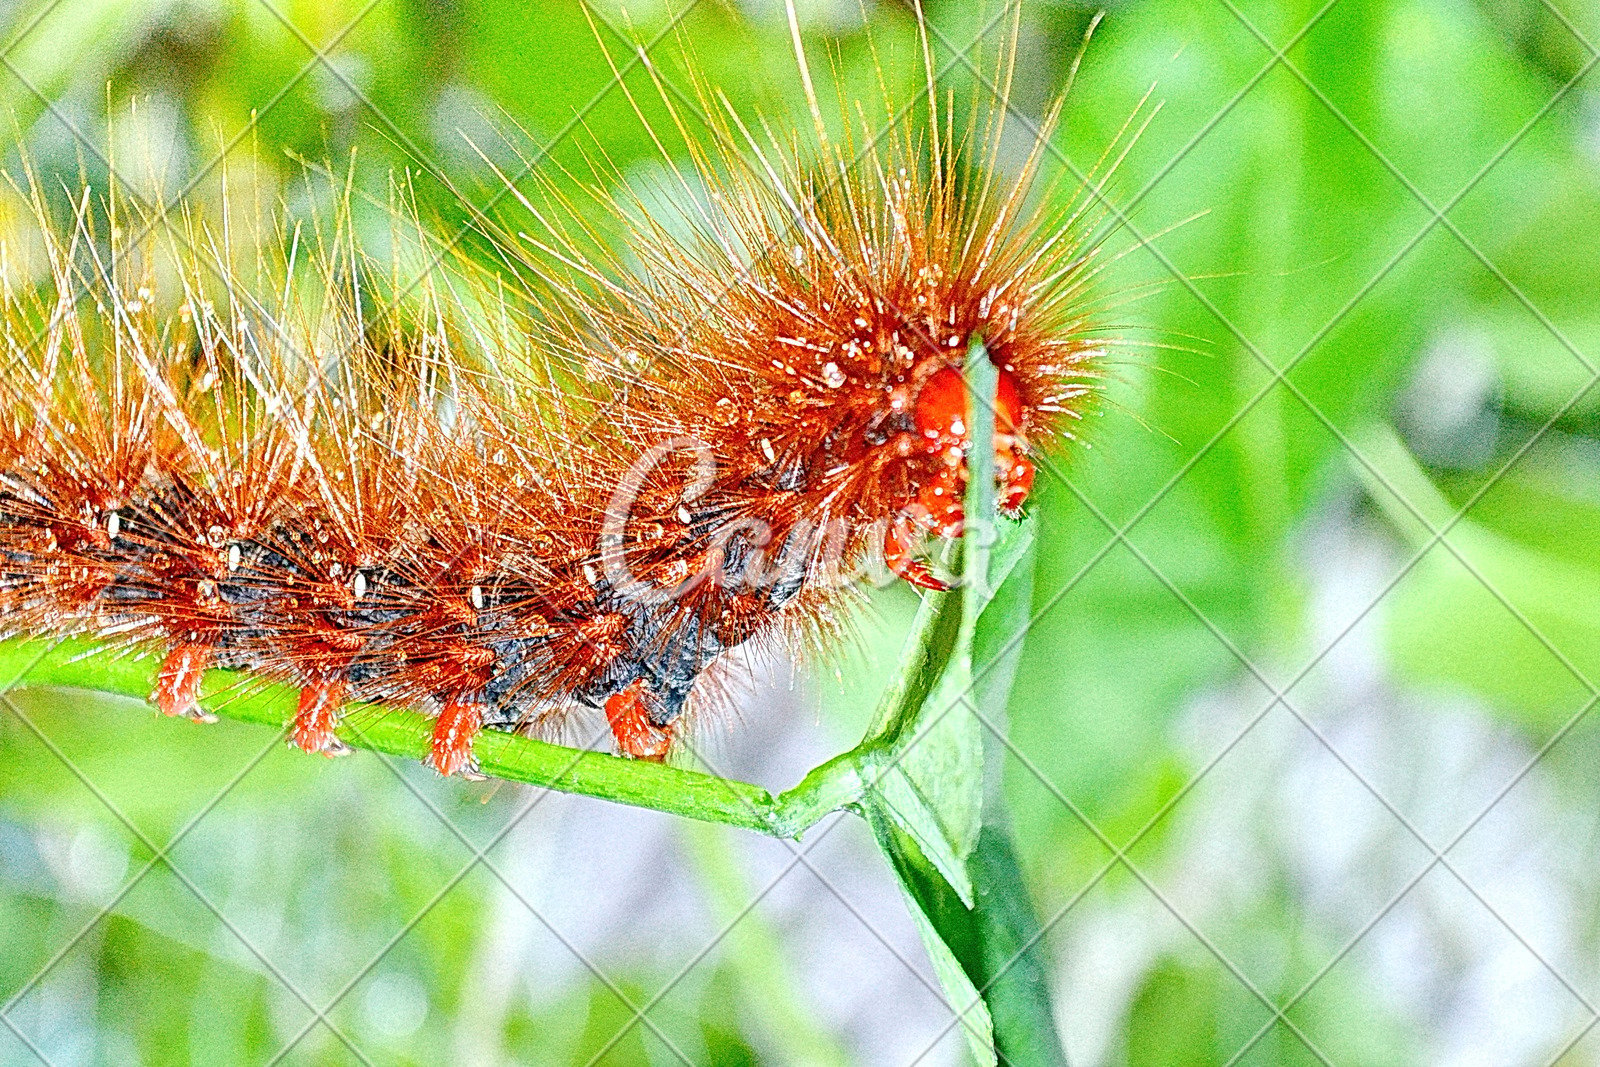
{"points": [[316, 717], [899, 554], [450, 749], [1015, 477], [177, 689], [636, 735]]}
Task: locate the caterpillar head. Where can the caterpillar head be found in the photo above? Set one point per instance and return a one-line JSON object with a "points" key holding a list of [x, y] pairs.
{"points": [[807, 312], [941, 418]]}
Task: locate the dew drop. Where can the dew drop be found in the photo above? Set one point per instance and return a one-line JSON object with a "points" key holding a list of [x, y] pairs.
{"points": [[832, 375]]}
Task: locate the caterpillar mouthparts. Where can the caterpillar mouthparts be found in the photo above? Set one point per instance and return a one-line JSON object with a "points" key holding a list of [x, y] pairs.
{"points": [[577, 480]]}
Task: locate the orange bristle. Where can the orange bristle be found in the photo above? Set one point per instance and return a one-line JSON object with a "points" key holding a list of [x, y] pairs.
{"points": [[577, 481]]}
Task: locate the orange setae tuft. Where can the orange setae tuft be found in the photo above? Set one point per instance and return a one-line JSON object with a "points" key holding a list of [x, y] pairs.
{"points": [[636, 733], [575, 480]]}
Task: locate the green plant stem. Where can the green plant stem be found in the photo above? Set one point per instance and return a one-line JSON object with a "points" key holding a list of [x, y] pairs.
{"points": [[400, 732], [917, 775]]}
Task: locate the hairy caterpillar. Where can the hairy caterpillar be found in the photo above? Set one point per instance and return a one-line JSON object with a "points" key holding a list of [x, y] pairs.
{"points": [[575, 479]]}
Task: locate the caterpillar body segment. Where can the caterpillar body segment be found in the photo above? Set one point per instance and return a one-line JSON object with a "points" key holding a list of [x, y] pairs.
{"points": [[575, 478]]}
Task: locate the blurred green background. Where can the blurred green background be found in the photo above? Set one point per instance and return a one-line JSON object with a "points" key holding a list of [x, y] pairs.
{"points": [[1280, 218]]}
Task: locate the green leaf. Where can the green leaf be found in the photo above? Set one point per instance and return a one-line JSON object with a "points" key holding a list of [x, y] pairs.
{"points": [[929, 780], [1510, 619], [988, 957], [924, 776], [918, 776], [943, 920]]}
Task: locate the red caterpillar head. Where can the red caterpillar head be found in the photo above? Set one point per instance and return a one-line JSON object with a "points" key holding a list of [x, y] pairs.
{"points": [[810, 323], [941, 418], [428, 515]]}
